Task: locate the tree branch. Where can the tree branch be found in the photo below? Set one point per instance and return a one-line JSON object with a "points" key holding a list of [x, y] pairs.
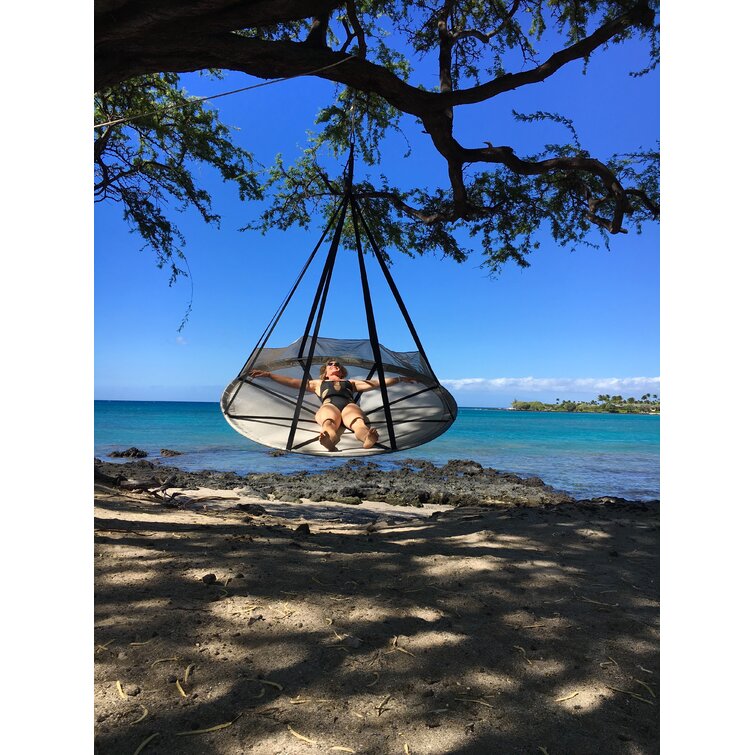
{"points": [[639, 14], [356, 27], [485, 38], [645, 199], [506, 156], [399, 204]]}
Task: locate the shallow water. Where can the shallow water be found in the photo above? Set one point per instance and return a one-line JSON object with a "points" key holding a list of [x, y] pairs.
{"points": [[585, 455]]}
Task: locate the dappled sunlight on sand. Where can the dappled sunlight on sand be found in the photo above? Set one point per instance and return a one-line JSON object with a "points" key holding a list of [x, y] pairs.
{"points": [[452, 638]]}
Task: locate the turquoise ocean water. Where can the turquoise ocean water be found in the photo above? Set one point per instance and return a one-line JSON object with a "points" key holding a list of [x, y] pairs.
{"points": [[585, 455]]}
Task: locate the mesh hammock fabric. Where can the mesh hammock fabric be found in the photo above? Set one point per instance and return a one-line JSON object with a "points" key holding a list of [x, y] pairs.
{"points": [[266, 411], [405, 415]]}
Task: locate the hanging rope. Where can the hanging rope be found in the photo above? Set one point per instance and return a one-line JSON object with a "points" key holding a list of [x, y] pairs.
{"points": [[197, 100]]}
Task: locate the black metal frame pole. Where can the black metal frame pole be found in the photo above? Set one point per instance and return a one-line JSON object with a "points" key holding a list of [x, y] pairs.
{"points": [[320, 300], [372, 329], [282, 308], [257, 350], [327, 269]]}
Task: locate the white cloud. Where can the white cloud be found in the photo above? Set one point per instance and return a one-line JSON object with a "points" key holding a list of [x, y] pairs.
{"points": [[181, 341], [564, 385]]}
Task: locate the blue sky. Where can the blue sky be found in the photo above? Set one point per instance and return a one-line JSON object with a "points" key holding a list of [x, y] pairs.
{"points": [[706, 276], [573, 325]]}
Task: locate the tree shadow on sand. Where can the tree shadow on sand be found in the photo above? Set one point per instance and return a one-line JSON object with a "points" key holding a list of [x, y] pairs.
{"points": [[517, 631]]}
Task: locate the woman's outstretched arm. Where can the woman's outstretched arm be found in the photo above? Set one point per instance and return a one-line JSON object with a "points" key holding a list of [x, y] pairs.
{"points": [[370, 385], [283, 379]]}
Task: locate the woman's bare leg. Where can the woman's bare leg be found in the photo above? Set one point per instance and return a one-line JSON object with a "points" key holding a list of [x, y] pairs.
{"points": [[354, 418], [329, 419]]}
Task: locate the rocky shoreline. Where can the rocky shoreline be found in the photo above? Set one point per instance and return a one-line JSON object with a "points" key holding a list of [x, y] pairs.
{"points": [[415, 483]]}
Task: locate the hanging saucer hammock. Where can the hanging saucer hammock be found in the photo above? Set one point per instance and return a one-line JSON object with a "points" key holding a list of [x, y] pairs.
{"points": [[405, 414]]}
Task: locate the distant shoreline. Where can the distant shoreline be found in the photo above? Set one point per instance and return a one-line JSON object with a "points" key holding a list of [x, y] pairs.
{"points": [[647, 404], [583, 411]]}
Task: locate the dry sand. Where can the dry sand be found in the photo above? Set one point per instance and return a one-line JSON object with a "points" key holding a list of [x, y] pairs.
{"points": [[506, 629]]}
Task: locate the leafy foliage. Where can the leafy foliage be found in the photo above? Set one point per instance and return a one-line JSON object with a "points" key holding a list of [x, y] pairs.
{"points": [[465, 52], [145, 162]]}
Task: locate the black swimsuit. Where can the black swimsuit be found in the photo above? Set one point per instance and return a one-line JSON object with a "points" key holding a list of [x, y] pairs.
{"points": [[339, 398]]}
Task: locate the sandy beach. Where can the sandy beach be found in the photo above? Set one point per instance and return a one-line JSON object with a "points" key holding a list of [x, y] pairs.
{"points": [[444, 617]]}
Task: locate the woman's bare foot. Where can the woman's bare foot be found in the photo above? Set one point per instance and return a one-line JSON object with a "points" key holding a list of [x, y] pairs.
{"points": [[327, 441], [371, 439]]}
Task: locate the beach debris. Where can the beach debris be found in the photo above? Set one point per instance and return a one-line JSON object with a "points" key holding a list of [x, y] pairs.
{"points": [[646, 686], [473, 700], [397, 647], [209, 730], [180, 688], [381, 708], [567, 697], [300, 736], [163, 660], [339, 748], [121, 693], [523, 652], [102, 647], [137, 644], [146, 742], [375, 680], [153, 485], [609, 662], [209, 579], [631, 694], [144, 714], [302, 530], [406, 749], [187, 671], [271, 684], [597, 602], [299, 700], [543, 750]]}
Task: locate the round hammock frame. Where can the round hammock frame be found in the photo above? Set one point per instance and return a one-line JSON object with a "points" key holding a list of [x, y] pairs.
{"points": [[406, 415]]}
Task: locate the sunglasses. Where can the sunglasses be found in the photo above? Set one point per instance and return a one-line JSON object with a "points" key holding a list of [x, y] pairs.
{"points": [[334, 364]]}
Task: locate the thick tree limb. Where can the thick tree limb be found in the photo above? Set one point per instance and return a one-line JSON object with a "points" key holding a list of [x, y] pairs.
{"points": [[639, 14], [425, 217]]}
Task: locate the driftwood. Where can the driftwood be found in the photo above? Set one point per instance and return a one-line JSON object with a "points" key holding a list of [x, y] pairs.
{"points": [[153, 485]]}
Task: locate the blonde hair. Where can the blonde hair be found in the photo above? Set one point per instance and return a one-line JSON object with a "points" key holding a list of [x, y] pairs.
{"points": [[324, 366]]}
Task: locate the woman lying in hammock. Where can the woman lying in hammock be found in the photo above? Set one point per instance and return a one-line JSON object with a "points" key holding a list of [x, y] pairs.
{"points": [[337, 395]]}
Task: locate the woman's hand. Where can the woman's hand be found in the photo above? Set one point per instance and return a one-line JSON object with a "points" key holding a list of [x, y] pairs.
{"points": [[259, 373]]}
